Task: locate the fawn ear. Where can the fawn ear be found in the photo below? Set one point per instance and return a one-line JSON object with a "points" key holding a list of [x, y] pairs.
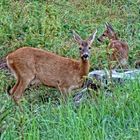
{"points": [[109, 27], [77, 38], [106, 25], [91, 38]]}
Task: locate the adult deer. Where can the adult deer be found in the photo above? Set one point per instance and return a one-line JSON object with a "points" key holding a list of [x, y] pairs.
{"points": [[29, 64], [117, 50]]}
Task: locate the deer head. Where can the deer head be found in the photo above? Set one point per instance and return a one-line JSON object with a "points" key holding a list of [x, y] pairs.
{"points": [[84, 45], [108, 33]]}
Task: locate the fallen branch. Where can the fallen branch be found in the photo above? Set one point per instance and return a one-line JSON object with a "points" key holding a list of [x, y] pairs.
{"points": [[103, 77]]}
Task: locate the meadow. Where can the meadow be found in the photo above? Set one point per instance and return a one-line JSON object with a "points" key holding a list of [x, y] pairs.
{"points": [[48, 24]]}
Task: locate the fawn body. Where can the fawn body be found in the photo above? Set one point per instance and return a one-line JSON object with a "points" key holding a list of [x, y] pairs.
{"points": [[119, 49], [29, 64]]}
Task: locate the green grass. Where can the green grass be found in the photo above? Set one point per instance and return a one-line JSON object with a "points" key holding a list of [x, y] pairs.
{"points": [[48, 25]]}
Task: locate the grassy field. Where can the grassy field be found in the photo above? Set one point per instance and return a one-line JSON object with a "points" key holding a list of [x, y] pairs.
{"points": [[48, 25]]}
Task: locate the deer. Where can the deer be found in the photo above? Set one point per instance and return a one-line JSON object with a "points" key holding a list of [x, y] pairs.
{"points": [[29, 64], [117, 50]]}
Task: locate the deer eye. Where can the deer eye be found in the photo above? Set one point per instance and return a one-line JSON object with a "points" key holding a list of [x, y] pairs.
{"points": [[80, 48], [89, 47], [103, 34]]}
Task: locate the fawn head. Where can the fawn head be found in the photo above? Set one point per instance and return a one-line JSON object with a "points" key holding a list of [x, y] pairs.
{"points": [[84, 45], [108, 33]]}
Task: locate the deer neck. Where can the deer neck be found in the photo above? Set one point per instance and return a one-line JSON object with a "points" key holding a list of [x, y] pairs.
{"points": [[114, 37], [84, 67]]}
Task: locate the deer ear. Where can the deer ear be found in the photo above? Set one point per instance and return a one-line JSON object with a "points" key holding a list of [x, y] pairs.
{"points": [[77, 37], [91, 38], [110, 27], [106, 25]]}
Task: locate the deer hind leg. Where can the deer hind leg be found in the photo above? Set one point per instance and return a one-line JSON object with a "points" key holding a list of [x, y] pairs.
{"points": [[24, 77], [16, 75], [18, 91], [14, 88]]}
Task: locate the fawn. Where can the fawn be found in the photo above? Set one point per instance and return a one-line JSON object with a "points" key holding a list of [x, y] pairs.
{"points": [[29, 64], [119, 49]]}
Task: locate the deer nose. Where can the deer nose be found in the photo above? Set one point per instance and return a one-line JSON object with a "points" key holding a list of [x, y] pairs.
{"points": [[85, 55]]}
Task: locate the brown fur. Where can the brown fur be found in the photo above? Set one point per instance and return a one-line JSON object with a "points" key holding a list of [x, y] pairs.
{"points": [[29, 64], [117, 50]]}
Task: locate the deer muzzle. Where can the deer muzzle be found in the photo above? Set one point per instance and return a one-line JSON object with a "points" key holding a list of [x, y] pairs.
{"points": [[85, 56]]}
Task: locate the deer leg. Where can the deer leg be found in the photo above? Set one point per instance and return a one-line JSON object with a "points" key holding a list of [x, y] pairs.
{"points": [[23, 80], [16, 75], [63, 93], [18, 91], [11, 92]]}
